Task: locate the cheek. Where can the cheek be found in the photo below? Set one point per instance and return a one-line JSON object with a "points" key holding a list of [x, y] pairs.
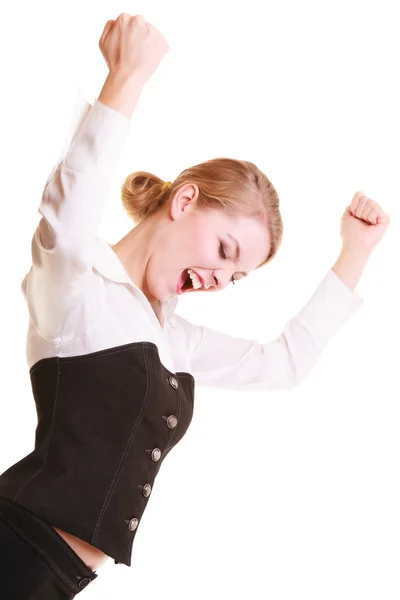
{"points": [[192, 246], [203, 247], [207, 254]]}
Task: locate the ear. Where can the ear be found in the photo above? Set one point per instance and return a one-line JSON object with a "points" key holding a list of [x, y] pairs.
{"points": [[184, 201]]}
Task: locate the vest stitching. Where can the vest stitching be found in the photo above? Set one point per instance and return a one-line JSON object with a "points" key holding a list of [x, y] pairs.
{"points": [[127, 448], [79, 562], [50, 435], [43, 554]]}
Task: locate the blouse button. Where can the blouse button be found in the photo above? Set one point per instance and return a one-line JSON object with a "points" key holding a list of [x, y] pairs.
{"points": [[156, 454], [172, 421], [173, 382], [146, 490], [133, 523]]}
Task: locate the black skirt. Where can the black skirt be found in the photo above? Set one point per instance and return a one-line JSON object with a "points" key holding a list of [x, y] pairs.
{"points": [[35, 561]]}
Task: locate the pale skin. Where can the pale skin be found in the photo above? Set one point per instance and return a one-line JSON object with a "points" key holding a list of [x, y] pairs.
{"points": [[181, 236]]}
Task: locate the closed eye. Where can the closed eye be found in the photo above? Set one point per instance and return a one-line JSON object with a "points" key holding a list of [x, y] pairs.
{"points": [[222, 252], [223, 255]]}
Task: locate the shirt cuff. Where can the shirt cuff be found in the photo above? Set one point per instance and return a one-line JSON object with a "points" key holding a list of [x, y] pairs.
{"points": [[329, 308], [98, 135]]}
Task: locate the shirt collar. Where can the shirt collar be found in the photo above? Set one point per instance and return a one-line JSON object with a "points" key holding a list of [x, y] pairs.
{"points": [[107, 263]]}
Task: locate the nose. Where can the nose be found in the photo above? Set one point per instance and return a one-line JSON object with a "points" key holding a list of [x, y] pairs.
{"points": [[221, 278], [217, 279]]}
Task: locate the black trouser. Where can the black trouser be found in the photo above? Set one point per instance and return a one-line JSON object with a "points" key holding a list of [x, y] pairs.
{"points": [[36, 563]]}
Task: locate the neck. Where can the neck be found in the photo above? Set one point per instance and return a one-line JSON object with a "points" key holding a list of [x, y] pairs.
{"points": [[134, 251]]}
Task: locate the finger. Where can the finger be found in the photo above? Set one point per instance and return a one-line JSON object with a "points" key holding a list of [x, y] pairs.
{"points": [[368, 208], [354, 202], [356, 196], [373, 215], [140, 20], [382, 217], [107, 28], [358, 205]]}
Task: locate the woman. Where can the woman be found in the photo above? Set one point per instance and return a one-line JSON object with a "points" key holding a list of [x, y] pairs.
{"points": [[112, 366]]}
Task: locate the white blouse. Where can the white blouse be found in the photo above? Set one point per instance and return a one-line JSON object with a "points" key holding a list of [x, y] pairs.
{"points": [[81, 299]]}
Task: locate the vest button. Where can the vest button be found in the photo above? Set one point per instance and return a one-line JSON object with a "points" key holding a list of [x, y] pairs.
{"points": [[133, 523], [83, 582], [173, 382], [172, 421], [146, 490], [156, 454]]}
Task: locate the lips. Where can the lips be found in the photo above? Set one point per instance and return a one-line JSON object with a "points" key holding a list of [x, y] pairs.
{"points": [[180, 283]]}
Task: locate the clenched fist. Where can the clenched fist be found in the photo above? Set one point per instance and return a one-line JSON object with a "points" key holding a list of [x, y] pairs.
{"points": [[130, 46], [363, 223]]}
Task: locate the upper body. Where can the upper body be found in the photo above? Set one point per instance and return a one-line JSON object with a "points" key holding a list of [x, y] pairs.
{"points": [[81, 299], [113, 366], [113, 352]]}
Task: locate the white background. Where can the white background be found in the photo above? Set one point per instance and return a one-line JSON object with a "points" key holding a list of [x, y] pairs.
{"points": [[281, 495]]}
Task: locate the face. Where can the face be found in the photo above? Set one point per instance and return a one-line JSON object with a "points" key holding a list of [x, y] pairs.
{"points": [[217, 247]]}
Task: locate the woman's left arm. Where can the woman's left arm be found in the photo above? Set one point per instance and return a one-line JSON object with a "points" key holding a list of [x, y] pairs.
{"points": [[220, 360], [350, 266]]}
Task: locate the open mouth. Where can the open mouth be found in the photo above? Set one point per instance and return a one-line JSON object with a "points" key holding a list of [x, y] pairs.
{"points": [[185, 283]]}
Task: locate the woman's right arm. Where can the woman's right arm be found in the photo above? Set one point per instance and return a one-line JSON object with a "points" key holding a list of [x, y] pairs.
{"points": [[74, 198]]}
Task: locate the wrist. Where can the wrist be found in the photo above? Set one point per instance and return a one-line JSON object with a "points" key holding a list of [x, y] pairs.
{"points": [[350, 265], [121, 91]]}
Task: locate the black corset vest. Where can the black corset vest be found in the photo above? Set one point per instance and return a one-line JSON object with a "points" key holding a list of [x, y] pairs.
{"points": [[106, 421]]}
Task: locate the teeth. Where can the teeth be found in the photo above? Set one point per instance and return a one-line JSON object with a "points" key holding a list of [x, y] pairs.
{"points": [[195, 280]]}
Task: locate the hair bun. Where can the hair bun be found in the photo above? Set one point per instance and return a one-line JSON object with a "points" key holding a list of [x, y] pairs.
{"points": [[141, 194]]}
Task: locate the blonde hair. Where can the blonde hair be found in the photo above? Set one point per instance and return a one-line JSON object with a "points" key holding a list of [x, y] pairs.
{"points": [[236, 187]]}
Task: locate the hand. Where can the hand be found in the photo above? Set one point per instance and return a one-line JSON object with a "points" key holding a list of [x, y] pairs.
{"points": [[130, 46], [363, 224]]}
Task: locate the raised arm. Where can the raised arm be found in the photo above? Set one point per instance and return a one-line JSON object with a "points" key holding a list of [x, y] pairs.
{"points": [[220, 360], [78, 188], [74, 197]]}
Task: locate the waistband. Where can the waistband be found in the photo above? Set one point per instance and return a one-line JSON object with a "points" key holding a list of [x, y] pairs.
{"points": [[48, 543]]}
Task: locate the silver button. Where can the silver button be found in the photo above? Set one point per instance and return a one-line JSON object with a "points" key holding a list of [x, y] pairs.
{"points": [[172, 421], [146, 490], [133, 523], [173, 382], [156, 454]]}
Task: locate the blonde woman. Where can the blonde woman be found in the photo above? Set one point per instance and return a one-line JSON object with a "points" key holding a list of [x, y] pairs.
{"points": [[112, 366]]}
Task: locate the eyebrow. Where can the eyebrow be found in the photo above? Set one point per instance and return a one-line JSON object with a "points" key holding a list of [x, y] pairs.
{"points": [[237, 255]]}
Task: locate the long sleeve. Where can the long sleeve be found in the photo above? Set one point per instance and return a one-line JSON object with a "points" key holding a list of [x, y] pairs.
{"points": [[72, 206], [223, 361]]}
